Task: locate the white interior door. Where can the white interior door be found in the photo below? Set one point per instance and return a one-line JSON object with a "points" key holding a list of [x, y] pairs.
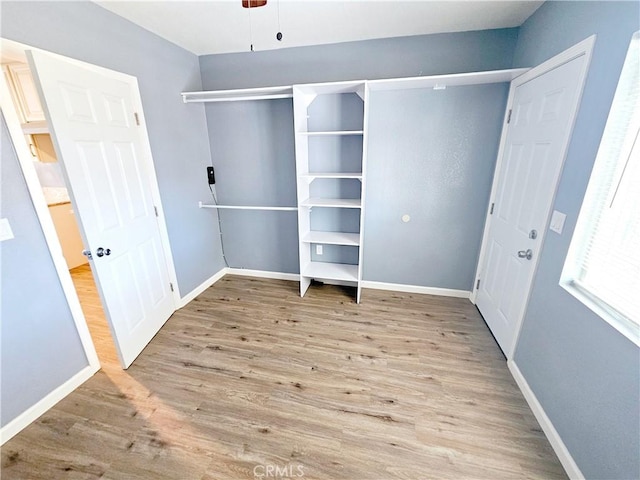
{"points": [[99, 143], [543, 109]]}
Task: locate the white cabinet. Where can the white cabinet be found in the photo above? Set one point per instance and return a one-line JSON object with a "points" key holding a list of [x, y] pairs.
{"points": [[330, 143], [25, 93]]}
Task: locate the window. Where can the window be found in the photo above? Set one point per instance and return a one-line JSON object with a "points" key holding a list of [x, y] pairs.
{"points": [[603, 265]]}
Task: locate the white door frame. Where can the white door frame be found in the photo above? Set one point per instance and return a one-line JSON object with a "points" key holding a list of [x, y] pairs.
{"points": [[585, 48], [53, 242], [46, 222]]}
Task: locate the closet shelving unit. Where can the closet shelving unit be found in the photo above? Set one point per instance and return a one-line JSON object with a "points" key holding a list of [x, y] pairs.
{"points": [[330, 140], [326, 116]]}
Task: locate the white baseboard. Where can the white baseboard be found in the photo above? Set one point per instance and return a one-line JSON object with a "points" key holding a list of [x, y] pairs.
{"points": [[552, 434], [32, 413], [398, 287], [264, 274], [201, 288], [395, 287]]}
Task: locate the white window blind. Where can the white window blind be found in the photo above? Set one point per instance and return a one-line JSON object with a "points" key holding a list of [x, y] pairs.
{"points": [[604, 258]]}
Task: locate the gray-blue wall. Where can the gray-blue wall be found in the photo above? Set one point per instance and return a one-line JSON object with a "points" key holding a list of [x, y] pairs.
{"points": [[432, 156], [180, 148], [251, 170], [364, 60], [585, 374], [39, 344], [252, 152], [177, 132]]}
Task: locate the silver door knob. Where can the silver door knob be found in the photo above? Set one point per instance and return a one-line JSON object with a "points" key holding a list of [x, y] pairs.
{"points": [[528, 254], [87, 253], [103, 251]]}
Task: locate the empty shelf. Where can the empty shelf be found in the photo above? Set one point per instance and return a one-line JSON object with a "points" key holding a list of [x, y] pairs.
{"points": [[313, 89], [312, 176], [331, 271], [332, 202], [336, 132], [443, 81], [246, 207], [333, 238], [265, 93]]}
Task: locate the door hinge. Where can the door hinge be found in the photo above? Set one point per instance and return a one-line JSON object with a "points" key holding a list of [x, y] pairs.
{"points": [[478, 284], [491, 210], [171, 286], [137, 118], [509, 116], [155, 209]]}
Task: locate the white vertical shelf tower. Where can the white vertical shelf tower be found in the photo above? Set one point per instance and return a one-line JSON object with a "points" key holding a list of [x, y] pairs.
{"points": [[330, 140]]}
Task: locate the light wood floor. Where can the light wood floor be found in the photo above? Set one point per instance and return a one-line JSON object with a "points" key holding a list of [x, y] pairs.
{"points": [[250, 377], [94, 313]]}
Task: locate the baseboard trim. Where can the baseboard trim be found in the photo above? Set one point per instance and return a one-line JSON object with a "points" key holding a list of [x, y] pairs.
{"points": [[567, 461], [264, 274], [398, 287], [394, 287], [32, 413], [201, 288]]}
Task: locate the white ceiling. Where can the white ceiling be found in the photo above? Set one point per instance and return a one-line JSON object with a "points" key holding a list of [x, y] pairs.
{"points": [[223, 26]]}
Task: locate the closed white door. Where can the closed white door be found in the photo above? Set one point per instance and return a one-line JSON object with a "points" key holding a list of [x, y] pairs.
{"points": [[538, 133], [99, 143]]}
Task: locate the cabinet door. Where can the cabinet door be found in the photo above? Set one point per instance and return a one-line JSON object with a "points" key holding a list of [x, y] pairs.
{"points": [[25, 93]]}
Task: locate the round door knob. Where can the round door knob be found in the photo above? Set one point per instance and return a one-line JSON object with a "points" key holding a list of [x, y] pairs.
{"points": [[103, 251]]}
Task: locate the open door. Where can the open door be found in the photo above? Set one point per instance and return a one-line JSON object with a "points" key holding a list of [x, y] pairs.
{"points": [[544, 104], [99, 140]]}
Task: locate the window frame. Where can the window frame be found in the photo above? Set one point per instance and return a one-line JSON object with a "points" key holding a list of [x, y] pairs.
{"points": [[586, 226]]}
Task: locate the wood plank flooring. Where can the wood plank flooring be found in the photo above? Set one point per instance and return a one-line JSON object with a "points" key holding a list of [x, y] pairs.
{"points": [[251, 381], [94, 313]]}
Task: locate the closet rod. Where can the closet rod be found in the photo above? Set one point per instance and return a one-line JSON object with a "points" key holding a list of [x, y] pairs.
{"points": [[246, 207]]}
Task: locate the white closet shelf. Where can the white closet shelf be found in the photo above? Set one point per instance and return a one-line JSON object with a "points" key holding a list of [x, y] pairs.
{"points": [[443, 81], [332, 133], [313, 176], [262, 93], [351, 86], [332, 202], [332, 238], [246, 207], [331, 271], [286, 91]]}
